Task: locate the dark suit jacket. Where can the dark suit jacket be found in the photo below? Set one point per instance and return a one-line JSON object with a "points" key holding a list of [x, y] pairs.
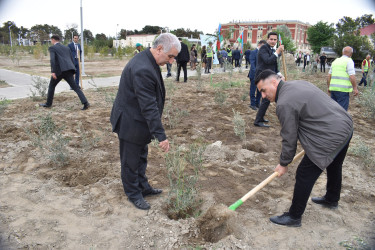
{"points": [[266, 59], [253, 63], [236, 54], [73, 50], [137, 110], [184, 55], [247, 54], [61, 59]]}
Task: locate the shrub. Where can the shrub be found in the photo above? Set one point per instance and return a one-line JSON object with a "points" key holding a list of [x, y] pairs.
{"points": [[367, 101], [183, 198], [3, 104], [239, 125], [356, 243], [220, 97], [47, 136], [360, 149], [40, 86]]}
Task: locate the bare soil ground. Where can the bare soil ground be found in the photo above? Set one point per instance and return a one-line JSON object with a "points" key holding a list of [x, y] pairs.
{"points": [[83, 206]]}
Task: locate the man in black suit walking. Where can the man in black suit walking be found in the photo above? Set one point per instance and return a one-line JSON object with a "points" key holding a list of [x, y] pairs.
{"points": [[74, 47], [136, 115], [62, 67], [182, 59], [267, 59]]}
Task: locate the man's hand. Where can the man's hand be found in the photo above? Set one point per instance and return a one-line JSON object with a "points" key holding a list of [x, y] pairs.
{"points": [[281, 170], [279, 49], [54, 76], [164, 145], [355, 91]]}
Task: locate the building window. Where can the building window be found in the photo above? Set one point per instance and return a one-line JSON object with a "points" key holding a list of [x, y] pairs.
{"points": [[259, 33], [269, 28], [231, 30], [250, 28], [250, 35]]}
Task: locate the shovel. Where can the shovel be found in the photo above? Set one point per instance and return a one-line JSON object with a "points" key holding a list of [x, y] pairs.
{"points": [[238, 203]]}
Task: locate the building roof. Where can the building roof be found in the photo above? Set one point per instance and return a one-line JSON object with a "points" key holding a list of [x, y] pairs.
{"points": [[368, 30], [266, 21]]}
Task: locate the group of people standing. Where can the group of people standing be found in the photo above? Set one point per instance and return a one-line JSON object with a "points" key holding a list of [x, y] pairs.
{"points": [[319, 122]]}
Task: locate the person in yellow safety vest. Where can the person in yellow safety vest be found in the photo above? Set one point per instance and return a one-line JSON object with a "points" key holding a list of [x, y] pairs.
{"points": [[138, 48], [365, 67], [341, 78], [229, 51], [209, 55]]}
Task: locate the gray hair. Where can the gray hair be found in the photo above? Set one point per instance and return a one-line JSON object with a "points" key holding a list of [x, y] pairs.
{"points": [[347, 49], [168, 41]]}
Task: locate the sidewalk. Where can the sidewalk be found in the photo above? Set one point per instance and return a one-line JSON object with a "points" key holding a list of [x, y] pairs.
{"points": [[21, 83]]}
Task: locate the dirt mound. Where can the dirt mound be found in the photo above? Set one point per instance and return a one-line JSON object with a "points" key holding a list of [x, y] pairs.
{"points": [[255, 145], [216, 223]]}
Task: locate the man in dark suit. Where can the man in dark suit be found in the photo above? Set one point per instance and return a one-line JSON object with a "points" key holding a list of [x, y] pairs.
{"points": [[247, 57], [74, 47], [236, 57], [62, 67], [267, 59], [182, 59], [254, 100], [136, 115]]}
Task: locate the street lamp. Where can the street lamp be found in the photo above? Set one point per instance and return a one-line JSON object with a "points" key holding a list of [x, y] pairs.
{"points": [[10, 35]]}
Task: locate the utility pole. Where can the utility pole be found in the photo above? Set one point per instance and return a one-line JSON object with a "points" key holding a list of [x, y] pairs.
{"points": [[82, 45], [10, 36]]}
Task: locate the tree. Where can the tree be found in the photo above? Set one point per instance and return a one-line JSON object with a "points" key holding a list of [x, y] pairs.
{"points": [[87, 34], [348, 34], [319, 35], [71, 30], [286, 39], [42, 33], [148, 29], [123, 34]]}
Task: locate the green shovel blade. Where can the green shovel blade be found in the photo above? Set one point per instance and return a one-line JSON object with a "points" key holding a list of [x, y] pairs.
{"points": [[235, 205]]}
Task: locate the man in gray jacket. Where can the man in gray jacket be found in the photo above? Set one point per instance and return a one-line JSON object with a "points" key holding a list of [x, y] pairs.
{"points": [[324, 130]]}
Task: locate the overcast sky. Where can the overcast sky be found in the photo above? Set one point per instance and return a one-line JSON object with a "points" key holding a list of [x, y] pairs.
{"points": [[110, 16]]}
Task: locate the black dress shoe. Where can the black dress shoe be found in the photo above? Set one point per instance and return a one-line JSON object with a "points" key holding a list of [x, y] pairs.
{"points": [[140, 204], [261, 124], [286, 220], [264, 120], [85, 106], [44, 105], [152, 191], [253, 107], [322, 201]]}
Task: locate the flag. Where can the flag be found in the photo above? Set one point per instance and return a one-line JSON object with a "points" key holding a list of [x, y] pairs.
{"points": [[280, 41], [219, 38], [240, 40]]}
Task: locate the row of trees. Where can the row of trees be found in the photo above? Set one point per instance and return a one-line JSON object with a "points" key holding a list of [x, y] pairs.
{"points": [[346, 33], [41, 33]]}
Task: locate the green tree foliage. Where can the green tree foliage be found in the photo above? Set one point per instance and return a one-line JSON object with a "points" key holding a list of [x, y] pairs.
{"points": [[319, 35], [286, 39], [181, 32], [148, 29], [348, 34], [87, 34], [42, 33], [70, 31], [123, 33]]}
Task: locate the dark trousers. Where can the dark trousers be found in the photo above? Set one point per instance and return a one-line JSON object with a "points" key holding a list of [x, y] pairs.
{"points": [[133, 169], [364, 79], [230, 60], [254, 99], [183, 65], [341, 98], [247, 62], [208, 65], [76, 77], [236, 62], [68, 77], [169, 68], [262, 110], [306, 176], [323, 66]]}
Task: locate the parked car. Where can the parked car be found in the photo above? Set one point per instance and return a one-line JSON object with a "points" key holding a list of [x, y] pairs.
{"points": [[330, 54]]}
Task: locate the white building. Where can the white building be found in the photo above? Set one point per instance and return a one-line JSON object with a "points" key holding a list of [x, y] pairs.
{"points": [[132, 40]]}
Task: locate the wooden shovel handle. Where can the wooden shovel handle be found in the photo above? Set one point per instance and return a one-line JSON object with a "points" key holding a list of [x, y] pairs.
{"points": [[268, 180]]}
